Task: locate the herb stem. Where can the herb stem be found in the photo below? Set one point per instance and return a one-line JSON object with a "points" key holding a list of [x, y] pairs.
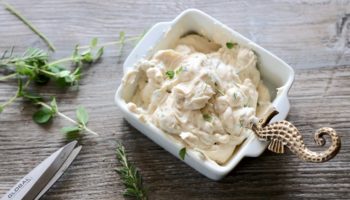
{"points": [[48, 73], [27, 84], [43, 71], [15, 12], [8, 77], [69, 119], [11, 100], [112, 43], [59, 61]]}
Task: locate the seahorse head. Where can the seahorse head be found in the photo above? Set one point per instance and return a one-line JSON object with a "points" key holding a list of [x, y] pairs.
{"points": [[265, 120]]}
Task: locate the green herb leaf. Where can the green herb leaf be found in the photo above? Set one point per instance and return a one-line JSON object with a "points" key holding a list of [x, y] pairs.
{"points": [[170, 74], [1, 109], [21, 69], [82, 115], [230, 45], [87, 56], [71, 132], [70, 129], [43, 115], [54, 107], [93, 42], [207, 117], [99, 54], [182, 153]]}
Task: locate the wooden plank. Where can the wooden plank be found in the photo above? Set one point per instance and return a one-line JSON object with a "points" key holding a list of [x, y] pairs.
{"points": [[306, 34]]}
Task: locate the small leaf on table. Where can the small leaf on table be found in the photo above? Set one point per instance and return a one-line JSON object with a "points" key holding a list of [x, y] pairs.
{"points": [[82, 115], [72, 132], [93, 42], [53, 105], [70, 129], [43, 115], [98, 54]]}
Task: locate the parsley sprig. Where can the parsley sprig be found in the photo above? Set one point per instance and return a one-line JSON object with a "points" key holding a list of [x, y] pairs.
{"points": [[130, 176]]}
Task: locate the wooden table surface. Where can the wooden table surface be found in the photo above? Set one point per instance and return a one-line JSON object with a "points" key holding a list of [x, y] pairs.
{"points": [[312, 36]]}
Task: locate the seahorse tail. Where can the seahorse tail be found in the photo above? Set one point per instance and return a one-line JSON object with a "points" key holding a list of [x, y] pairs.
{"points": [[320, 140]]}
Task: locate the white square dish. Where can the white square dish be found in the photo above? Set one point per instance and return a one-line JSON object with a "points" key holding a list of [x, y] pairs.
{"points": [[275, 73]]}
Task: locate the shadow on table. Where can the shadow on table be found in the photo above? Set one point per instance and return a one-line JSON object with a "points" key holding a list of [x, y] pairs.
{"points": [[268, 176]]}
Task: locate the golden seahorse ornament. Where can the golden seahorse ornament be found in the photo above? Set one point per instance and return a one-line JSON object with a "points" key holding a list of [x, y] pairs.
{"points": [[284, 134]]}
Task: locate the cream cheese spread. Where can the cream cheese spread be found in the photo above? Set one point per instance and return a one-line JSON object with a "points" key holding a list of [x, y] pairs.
{"points": [[200, 93]]}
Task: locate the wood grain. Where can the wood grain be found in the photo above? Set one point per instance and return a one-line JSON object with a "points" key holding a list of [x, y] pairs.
{"points": [[312, 36]]}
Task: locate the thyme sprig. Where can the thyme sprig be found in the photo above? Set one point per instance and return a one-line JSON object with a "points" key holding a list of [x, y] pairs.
{"points": [[34, 66], [48, 111], [130, 176]]}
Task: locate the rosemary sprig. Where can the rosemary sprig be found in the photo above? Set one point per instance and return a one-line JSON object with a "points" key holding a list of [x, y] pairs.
{"points": [[15, 12], [130, 176]]}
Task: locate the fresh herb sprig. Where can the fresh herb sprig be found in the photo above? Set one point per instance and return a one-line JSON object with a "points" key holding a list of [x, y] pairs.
{"points": [[34, 66], [130, 176], [48, 111]]}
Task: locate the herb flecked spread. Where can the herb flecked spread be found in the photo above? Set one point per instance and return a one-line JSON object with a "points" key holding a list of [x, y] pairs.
{"points": [[202, 94]]}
